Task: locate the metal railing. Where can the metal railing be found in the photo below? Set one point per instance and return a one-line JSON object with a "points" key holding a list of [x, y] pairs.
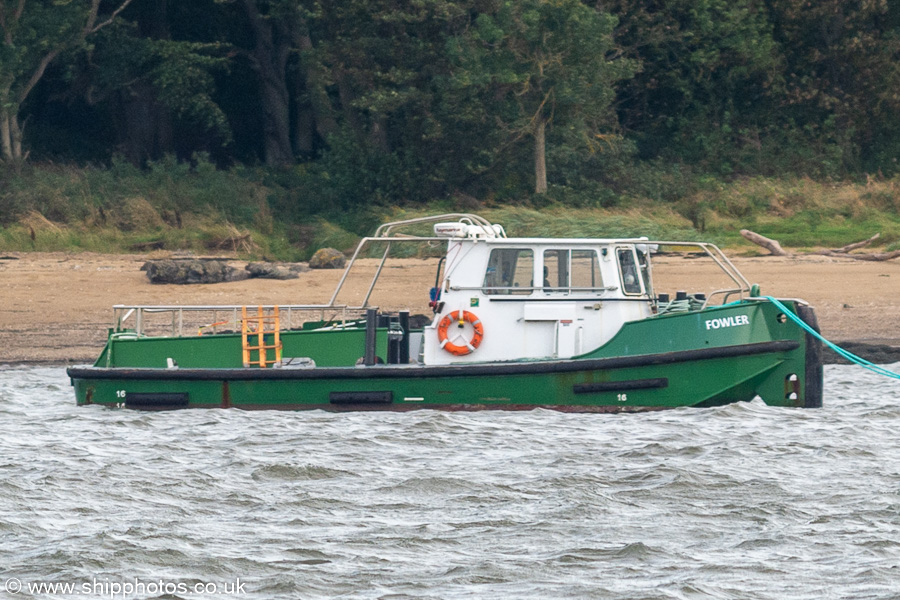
{"points": [[389, 234], [721, 260], [386, 234], [177, 321]]}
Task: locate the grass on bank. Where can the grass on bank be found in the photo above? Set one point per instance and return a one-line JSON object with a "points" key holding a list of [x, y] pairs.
{"points": [[178, 207]]}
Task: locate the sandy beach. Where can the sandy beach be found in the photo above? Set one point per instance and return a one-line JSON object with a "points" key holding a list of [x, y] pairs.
{"points": [[56, 307]]}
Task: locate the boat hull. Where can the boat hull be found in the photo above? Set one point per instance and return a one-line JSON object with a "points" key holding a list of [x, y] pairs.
{"points": [[783, 369]]}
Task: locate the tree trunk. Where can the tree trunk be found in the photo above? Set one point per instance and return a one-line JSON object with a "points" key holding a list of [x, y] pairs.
{"points": [[270, 61], [303, 138], [346, 97], [7, 114], [276, 121], [10, 135], [312, 77], [5, 139], [379, 135], [145, 127], [540, 157], [16, 135]]}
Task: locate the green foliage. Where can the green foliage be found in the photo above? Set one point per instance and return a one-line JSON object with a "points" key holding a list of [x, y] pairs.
{"points": [[402, 104], [774, 88], [352, 174], [526, 65], [709, 69], [180, 72], [840, 68], [40, 28], [34, 36], [181, 206]]}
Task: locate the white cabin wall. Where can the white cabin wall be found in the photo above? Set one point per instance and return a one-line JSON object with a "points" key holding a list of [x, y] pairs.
{"points": [[466, 262], [542, 325]]}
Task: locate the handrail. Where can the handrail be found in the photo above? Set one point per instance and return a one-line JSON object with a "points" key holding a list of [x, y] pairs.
{"points": [[385, 230], [178, 326], [545, 288], [717, 256], [384, 233]]}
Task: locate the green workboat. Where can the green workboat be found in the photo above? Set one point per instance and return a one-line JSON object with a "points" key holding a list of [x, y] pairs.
{"points": [[572, 324]]}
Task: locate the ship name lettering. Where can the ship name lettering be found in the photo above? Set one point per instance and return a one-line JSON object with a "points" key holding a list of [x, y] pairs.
{"points": [[728, 322]]}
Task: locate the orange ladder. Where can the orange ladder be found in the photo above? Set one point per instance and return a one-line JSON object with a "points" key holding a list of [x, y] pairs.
{"points": [[266, 329]]}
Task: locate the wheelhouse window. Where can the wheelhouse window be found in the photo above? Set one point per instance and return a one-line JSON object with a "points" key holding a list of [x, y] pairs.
{"points": [[644, 266], [510, 271], [576, 271], [631, 283]]}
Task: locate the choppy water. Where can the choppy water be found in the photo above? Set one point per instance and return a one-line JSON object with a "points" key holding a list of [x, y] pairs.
{"points": [[743, 502]]}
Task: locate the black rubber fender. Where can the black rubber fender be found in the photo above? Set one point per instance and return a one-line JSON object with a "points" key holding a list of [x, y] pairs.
{"points": [[156, 400], [812, 397]]}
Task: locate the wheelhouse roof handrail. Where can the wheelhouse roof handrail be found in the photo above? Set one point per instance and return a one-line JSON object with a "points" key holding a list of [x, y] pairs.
{"points": [[385, 230], [386, 234], [716, 254]]}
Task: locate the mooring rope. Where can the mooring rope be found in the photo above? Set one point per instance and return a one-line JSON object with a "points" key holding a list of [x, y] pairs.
{"points": [[844, 353], [689, 304]]}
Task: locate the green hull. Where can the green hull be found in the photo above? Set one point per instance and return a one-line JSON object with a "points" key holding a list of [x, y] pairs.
{"points": [[704, 358]]}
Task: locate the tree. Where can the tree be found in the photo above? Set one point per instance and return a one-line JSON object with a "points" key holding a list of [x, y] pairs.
{"points": [[385, 66], [709, 79], [157, 86], [295, 110], [273, 24], [534, 64], [842, 75], [33, 37]]}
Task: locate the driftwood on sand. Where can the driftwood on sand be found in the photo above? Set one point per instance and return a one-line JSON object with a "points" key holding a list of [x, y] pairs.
{"points": [[776, 250], [769, 244], [855, 245]]}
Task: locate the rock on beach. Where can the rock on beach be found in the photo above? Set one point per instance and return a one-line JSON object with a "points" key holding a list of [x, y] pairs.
{"points": [[198, 270], [191, 271], [328, 258]]}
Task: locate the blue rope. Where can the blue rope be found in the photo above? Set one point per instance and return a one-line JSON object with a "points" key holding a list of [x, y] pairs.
{"points": [[846, 354]]}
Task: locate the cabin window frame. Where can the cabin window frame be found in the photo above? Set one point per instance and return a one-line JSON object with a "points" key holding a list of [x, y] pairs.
{"points": [[508, 283], [645, 268], [628, 288], [568, 268]]}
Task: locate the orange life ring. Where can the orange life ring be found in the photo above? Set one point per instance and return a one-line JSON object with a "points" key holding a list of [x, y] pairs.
{"points": [[461, 316]]}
